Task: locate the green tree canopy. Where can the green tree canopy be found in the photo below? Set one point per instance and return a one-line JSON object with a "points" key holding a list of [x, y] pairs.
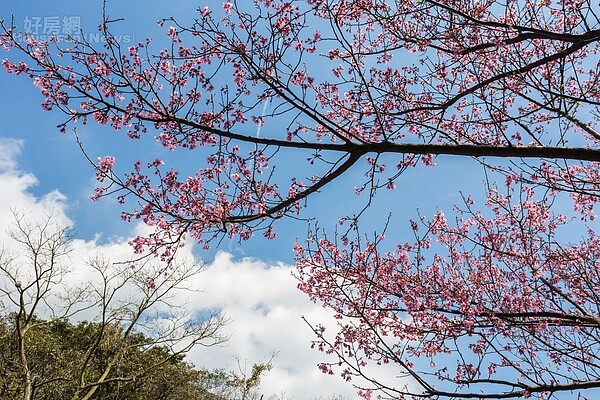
{"points": [[62, 353]]}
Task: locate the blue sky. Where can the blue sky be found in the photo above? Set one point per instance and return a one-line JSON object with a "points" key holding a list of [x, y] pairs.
{"points": [[58, 165]]}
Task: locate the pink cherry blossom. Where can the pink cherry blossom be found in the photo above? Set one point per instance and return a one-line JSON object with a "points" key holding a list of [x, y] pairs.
{"points": [[494, 298]]}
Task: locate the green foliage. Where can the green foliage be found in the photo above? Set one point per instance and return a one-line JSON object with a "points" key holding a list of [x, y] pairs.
{"points": [[62, 355], [232, 385], [107, 358]]}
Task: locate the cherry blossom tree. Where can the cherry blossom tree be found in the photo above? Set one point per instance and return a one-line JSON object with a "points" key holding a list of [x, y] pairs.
{"points": [[498, 301]]}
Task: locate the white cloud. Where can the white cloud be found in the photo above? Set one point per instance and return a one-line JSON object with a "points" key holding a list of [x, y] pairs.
{"points": [[16, 187], [262, 301], [266, 309], [9, 149]]}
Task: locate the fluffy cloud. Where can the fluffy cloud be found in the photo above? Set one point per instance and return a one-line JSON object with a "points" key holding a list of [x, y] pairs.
{"points": [[261, 300], [266, 311], [16, 187]]}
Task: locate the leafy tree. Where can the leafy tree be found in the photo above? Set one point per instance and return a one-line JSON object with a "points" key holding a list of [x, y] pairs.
{"points": [[498, 302], [57, 349], [234, 385], [134, 347]]}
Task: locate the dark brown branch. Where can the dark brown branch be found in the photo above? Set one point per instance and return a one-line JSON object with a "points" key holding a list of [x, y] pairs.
{"points": [[562, 153], [354, 157]]}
